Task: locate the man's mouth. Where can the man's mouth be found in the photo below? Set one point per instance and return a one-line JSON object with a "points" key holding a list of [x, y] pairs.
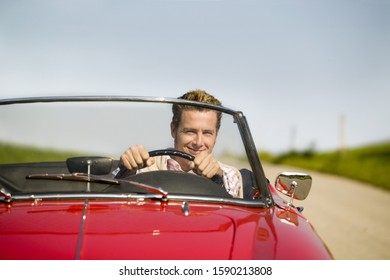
{"points": [[194, 151]]}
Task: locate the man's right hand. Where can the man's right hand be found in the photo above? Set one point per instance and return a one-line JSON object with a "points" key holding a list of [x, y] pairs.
{"points": [[136, 157]]}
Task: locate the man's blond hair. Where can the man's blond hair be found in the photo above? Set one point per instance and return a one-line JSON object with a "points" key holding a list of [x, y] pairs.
{"points": [[195, 95]]}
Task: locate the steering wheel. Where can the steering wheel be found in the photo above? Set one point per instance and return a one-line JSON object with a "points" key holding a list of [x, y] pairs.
{"points": [[171, 152], [179, 182]]}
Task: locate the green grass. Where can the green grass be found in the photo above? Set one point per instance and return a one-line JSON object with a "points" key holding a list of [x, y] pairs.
{"points": [[370, 164], [10, 153]]}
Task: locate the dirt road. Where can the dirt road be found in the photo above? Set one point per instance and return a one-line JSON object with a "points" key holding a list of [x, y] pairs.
{"points": [[351, 217]]}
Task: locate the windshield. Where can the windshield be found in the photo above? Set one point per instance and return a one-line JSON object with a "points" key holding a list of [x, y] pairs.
{"points": [[38, 139]]}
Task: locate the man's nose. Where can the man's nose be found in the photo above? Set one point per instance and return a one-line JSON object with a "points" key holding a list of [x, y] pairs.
{"points": [[198, 139]]}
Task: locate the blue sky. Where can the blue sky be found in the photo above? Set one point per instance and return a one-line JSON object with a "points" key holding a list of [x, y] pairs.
{"points": [[295, 68]]}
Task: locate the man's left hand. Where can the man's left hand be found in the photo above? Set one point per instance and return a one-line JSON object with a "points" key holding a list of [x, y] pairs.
{"points": [[206, 165]]}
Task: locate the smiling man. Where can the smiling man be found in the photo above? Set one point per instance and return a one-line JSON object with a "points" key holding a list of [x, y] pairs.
{"points": [[195, 132]]}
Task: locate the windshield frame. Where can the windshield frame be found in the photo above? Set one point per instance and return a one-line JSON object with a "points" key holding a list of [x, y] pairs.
{"points": [[240, 119]]}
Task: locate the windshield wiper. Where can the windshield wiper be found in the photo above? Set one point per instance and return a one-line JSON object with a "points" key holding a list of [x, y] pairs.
{"points": [[149, 188], [74, 177], [5, 194], [83, 177]]}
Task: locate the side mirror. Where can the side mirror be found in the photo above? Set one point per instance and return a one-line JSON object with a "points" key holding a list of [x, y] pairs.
{"points": [[294, 185]]}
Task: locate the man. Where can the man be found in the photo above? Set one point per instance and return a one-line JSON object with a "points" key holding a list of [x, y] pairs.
{"points": [[195, 132]]}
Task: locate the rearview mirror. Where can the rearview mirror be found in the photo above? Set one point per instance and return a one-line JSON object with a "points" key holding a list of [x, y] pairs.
{"points": [[90, 165], [294, 185]]}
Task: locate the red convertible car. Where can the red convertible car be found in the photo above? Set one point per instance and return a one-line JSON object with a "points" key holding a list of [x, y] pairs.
{"points": [[60, 198]]}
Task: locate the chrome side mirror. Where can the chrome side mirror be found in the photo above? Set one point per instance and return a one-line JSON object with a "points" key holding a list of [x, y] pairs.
{"points": [[294, 185]]}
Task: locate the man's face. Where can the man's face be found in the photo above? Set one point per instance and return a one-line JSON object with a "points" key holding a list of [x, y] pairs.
{"points": [[196, 132]]}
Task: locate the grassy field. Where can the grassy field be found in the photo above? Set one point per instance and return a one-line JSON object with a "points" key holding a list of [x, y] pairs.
{"points": [[370, 164], [10, 153]]}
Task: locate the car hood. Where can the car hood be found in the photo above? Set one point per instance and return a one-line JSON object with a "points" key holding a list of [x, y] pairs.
{"points": [[123, 230], [156, 231], [153, 229]]}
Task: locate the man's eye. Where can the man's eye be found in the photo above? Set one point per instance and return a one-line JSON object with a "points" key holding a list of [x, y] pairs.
{"points": [[209, 133]]}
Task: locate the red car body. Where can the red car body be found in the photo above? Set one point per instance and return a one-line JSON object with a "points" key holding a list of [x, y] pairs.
{"points": [[91, 226], [154, 230]]}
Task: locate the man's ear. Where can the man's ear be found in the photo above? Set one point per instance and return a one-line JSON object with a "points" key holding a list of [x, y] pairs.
{"points": [[173, 130]]}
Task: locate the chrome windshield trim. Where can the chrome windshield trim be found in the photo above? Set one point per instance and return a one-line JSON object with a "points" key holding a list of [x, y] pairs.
{"points": [[124, 196], [116, 98], [239, 117]]}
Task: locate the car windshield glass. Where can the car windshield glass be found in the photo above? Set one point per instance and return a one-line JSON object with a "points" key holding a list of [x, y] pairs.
{"points": [[37, 139]]}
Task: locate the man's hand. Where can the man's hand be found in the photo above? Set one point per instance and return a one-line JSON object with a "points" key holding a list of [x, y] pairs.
{"points": [[206, 165], [136, 157]]}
